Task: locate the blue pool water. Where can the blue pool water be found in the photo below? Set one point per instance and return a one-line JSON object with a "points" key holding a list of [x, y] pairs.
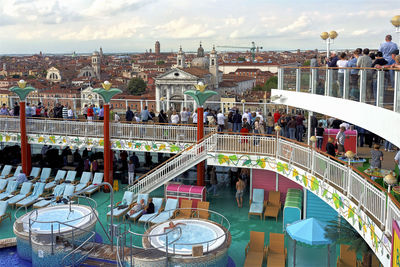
{"points": [[10, 258], [62, 215], [191, 234]]}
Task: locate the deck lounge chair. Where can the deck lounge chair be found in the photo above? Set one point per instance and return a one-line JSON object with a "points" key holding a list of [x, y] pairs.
{"points": [[126, 204], [185, 210], [98, 179], [37, 192], [84, 182], [25, 192], [273, 205], [35, 172], [3, 184], [6, 171], [255, 249], [257, 203], [71, 175], [44, 176], [202, 211], [13, 177], [58, 191], [347, 257], [136, 215], [3, 211], [10, 190], [68, 191], [157, 201], [276, 251], [59, 177], [165, 214]]}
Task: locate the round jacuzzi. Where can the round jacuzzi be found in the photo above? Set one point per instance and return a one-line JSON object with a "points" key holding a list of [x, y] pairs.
{"points": [[187, 234], [49, 239]]}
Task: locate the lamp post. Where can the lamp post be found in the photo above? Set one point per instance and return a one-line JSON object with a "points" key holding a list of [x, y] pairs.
{"points": [[313, 139], [22, 91], [390, 180], [350, 155], [162, 99], [396, 23], [107, 93], [328, 38], [200, 95], [243, 102]]}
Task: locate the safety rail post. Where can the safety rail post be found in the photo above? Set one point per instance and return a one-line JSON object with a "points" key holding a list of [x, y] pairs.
{"points": [[281, 72], [346, 84], [349, 171], [328, 82], [314, 81], [363, 85], [388, 220], [298, 79], [166, 250], [380, 89], [396, 99], [52, 240]]}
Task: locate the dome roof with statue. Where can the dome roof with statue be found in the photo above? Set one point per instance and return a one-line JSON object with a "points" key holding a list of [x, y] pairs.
{"points": [[200, 61]]}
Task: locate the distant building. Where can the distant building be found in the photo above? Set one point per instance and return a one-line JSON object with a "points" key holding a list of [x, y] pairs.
{"points": [[53, 74], [157, 48]]}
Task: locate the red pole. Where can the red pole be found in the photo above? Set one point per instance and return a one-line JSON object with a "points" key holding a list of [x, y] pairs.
{"points": [[200, 135], [107, 147], [25, 158]]}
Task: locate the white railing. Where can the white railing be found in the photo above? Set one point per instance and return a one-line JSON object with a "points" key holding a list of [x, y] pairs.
{"points": [[367, 85], [173, 167], [118, 130]]}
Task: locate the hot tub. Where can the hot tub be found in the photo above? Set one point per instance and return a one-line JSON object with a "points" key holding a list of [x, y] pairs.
{"points": [[194, 232], [42, 246]]}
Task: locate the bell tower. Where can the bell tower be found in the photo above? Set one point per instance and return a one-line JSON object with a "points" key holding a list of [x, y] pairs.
{"points": [[214, 67], [180, 59], [96, 64]]}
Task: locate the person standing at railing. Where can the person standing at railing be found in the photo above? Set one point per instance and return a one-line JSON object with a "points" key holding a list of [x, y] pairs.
{"points": [[376, 157], [184, 116], [129, 114], [16, 109], [277, 115], [300, 127], [270, 123], [340, 139], [65, 112], [213, 182], [379, 61], [194, 117], [365, 61], [84, 111], [341, 63], [28, 110], [145, 115], [388, 47], [352, 63], [90, 113], [101, 113], [330, 147], [292, 128], [4, 110], [220, 121], [237, 121]]}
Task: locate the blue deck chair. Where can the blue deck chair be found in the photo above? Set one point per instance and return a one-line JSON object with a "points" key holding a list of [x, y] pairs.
{"points": [[6, 171], [71, 175], [257, 202], [84, 182], [25, 190], [3, 211], [11, 188], [37, 192], [44, 176], [58, 191], [98, 179], [165, 214], [127, 200], [68, 191], [13, 177], [157, 201], [3, 184], [35, 172], [59, 176], [136, 215]]}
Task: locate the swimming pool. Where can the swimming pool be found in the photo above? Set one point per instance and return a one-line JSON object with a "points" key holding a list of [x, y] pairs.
{"points": [[194, 232]]}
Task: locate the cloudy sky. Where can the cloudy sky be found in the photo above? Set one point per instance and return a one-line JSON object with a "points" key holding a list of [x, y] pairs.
{"points": [[30, 26]]}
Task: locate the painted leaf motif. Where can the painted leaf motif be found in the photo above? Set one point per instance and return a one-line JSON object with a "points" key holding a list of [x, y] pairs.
{"points": [[8, 138], [154, 146], [280, 167], [223, 159], [360, 224], [305, 180], [324, 193], [233, 158], [247, 162], [286, 167], [336, 200], [41, 139], [118, 143], [350, 213], [1, 138], [162, 147], [52, 139], [314, 184], [174, 148], [261, 163], [138, 145], [147, 147], [295, 173], [101, 142]]}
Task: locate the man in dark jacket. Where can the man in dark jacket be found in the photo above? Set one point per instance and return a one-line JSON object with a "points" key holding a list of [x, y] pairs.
{"points": [[129, 115]]}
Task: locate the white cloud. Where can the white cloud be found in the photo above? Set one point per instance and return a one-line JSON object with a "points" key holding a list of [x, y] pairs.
{"points": [[183, 28], [299, 24], [359, 32]]}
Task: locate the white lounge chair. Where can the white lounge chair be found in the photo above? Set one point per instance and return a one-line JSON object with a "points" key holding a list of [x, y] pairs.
{"points": [[98, 179], [136, 215], [35, 172], [170, 207], [71, 175], [10, 190], [3, 184], [157, 208], [84, 182], [13, 177], [68, 191], [59, 177], [6, 171], [3, 211], [25, 191], [127, 200], [37, 192], [58, 191], [44, 176]]}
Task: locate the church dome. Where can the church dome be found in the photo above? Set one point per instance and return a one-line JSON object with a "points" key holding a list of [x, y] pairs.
{"points": [[200, 62]]}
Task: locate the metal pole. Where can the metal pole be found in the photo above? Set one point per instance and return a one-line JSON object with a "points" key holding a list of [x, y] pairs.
{"points": [[107, 145], [200, 135], [294, 253], [310, 113], [328, 42]]}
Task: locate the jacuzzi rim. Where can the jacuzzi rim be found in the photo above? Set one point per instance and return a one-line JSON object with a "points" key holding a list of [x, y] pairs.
{"points": [[85, 219], [218, 241]]}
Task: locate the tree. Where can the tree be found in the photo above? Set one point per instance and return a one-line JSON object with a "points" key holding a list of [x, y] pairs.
{"points": [[160, 62], [271, 83], [137, 86], [306, 63], [241, 59], [342, 232]]}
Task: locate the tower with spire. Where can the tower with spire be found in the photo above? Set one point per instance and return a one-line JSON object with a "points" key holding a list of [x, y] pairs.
{"points": [[213, 67], [180, 59]]}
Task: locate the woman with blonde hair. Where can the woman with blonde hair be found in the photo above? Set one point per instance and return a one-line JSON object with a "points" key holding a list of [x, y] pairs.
{"points": [[330, 148]]}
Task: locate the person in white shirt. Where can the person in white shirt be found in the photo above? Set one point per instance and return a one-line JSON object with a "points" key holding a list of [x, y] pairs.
{"points": [[174, 118], [246, 115], [70, 113], [117, 117], [341, 63], [220, 121], [259, 115], [184, 116], [194, 117]]}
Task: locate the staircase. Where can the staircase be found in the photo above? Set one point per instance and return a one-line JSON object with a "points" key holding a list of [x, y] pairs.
{"points": [[173, 167]]}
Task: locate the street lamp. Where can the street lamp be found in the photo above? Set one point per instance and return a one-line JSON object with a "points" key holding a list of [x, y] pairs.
{"points": [[162, 99], [328, 38], [107, 93], [390, 180], [313, 139], [22, 91], [243, 102], [396, 23], [200, 95], [350, 156]]}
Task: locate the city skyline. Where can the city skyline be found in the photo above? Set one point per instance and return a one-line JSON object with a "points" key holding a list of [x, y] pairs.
{"points": [[135, 25]]}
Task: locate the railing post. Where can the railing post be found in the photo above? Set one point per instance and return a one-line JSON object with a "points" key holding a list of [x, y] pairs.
{"points": [[380, 89], [388, 220], [396, 100], [363, 85], [281, 72], [328, 82], [314, 79], [348, 180], [346, 84], [298, 79], [312, 152]]}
